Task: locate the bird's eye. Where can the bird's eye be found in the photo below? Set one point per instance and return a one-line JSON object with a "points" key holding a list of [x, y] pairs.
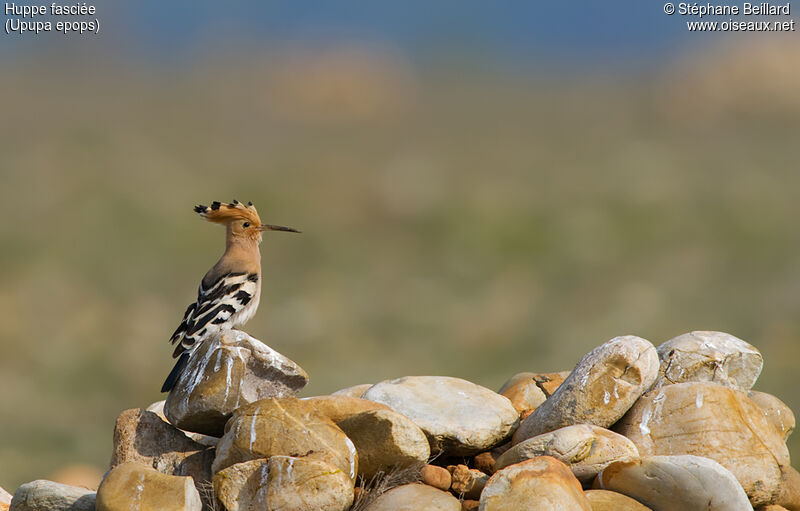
{"points": [[246, 224]]}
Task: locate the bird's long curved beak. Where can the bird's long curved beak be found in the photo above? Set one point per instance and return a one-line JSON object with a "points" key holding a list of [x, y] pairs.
{"points": [[268, 227]]}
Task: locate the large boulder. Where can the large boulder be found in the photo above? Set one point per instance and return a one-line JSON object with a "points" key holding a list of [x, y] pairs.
{"points": [[714, 357], [458, 417], [539, 484], [586, 449], [133, 486], [384, 440], [676, 483], [716, 422], [601, 388], [224, 373], [339, 408], [283, 483], [284, 427], [414, 497], [142, 437], [42, 495]]}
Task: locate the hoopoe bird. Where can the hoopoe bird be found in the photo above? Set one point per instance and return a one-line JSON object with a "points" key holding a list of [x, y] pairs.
{"points": [[229, 293]]}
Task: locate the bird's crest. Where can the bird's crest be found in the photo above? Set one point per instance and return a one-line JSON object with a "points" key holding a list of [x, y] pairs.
{"points": [[222, 212]]}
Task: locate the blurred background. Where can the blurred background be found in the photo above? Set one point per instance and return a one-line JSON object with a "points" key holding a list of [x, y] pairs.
{"points": [[483, 189]]}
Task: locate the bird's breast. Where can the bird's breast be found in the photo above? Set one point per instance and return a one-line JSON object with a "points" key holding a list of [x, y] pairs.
{"points": [[246, 314]]}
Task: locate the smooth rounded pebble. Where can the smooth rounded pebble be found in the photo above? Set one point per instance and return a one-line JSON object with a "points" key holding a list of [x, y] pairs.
{"points": [[605, 500], [523, 391], [414, 497], [539, 484], [586, 449], [384, 440], [134, 486], [601, 388], [435, 476], [457, 416], [676, 483]]}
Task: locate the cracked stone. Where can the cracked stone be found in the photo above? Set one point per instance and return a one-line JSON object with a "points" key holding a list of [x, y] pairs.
{"points": [[601, 388]]}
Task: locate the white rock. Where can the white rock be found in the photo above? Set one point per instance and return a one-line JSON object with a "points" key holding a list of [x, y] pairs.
{"points": [[714, 357], [42, 495], [458, 417], [415, 497], [676, 483], [5, 498]]}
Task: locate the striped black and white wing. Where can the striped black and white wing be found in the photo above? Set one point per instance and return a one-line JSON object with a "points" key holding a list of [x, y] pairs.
{"points": [[217, 307], [222, 304]]}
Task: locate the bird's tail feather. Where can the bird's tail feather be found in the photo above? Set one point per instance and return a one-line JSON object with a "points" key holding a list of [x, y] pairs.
{"points": [[180, 365]]}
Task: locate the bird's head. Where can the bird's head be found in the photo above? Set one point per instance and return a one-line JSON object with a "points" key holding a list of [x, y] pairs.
{"points": [[241, 221]]}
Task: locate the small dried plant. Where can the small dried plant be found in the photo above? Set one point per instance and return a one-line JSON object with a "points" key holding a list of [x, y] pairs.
{"points": [[382, 482], [206, 490]]}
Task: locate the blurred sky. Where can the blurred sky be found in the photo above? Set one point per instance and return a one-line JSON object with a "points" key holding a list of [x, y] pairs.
{"points": [[567, 35]]}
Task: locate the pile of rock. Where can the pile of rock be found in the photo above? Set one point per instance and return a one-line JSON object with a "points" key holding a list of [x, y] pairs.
{"points": [[632, 427]]}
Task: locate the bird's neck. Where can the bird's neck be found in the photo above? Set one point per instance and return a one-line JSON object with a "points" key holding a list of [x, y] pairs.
{"points": [[243, 251]]}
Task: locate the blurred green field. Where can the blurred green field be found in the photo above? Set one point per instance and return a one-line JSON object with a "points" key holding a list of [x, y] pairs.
{"points": [[458, 220]]}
